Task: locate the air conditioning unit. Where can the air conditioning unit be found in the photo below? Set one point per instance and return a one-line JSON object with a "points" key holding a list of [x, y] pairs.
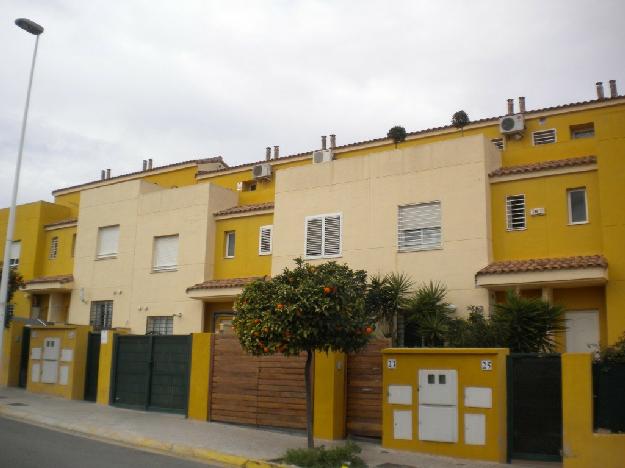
{"points": [[537, 212], [322, 156], [262, 171], [511, 124]]}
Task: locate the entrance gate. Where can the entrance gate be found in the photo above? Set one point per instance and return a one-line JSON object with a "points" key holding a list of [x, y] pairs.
{"points": [[152, 372], [534, 407], [93, 366]]}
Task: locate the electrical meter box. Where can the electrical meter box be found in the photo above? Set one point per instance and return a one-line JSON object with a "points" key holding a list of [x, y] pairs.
{"points": [[438, 387], [51, 349], [438, 405]]}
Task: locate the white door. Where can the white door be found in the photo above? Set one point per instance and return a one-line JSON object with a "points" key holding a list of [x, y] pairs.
{"points": [[582, 333]]}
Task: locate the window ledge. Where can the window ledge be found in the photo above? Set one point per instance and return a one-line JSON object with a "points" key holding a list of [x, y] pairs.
{"points": [[164, 269], [229, 258], [106, 257], [322, 257], [581, 223], [516, 230], [422, 249]]}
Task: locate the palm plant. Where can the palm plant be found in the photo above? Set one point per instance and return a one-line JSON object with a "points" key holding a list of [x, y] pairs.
{"points": [[387, 298], [429, 316]]}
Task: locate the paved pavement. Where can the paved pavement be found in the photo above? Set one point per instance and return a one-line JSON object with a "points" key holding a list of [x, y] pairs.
{"points": [[29, 446], [212, 442]]}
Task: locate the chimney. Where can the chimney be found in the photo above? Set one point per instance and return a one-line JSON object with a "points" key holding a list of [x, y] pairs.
{"points": [[150, 164], [145, 164], [276, 152], [108, 173], [510, 106], [332, 141], [323, 142], [268, 153], [613, 92], [600, 94], [102, 174], [522, 104]]}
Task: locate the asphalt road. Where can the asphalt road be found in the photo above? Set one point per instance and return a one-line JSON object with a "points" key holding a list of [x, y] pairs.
{"points": [[27, 446]]}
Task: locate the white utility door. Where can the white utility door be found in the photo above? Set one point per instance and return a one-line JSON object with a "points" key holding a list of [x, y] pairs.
{"points": [[582, 333]]}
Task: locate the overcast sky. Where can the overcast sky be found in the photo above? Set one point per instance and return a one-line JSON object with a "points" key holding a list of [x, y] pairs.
{"points": [[121, 81]]}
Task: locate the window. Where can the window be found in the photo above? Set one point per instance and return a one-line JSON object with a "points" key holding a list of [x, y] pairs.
{"points": [[265, 240], [544, 137], [246, 186], [323, 236], [230, 240], [101, 315], [54, 248], [515, 212], [586, 130], [498, 142], [14, 253], [578, 208], [160, 326], [419, 227], [108, 239], [165, 256], [73, 245]]}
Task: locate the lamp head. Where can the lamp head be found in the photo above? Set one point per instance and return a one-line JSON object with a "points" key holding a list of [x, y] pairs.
{"points": [[29, 26]]}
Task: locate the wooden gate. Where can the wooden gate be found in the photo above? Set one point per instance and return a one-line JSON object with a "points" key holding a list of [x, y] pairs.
{"points": [[364, 390], [261, 391]]}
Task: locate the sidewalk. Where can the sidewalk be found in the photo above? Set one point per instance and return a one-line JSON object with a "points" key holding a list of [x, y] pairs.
{"points": [[210, 442]]}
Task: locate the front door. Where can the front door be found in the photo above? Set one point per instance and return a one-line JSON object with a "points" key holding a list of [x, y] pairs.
{"points": [[582, 332], [93, 365], [25, 354]]}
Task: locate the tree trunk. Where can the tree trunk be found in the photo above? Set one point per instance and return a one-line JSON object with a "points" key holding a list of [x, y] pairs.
{"points": [[309, 400]]}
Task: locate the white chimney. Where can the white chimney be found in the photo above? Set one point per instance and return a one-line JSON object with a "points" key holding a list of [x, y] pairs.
{"points": [[600, 93], [150, 164], [613, 92], [268, 153], [323, 142], [108, 173], [522, 104], [145, 164], [102, 174], [276, 152], [510, 106], [332, 141]]}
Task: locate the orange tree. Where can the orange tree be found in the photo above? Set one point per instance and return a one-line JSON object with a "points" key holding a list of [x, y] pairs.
{"points": [[303, 310]]}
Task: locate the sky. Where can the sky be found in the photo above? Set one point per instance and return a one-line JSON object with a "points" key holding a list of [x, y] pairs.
{"points": [[118, 82]]}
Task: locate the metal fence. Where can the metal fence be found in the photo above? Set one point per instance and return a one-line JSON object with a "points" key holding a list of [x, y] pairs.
{"points": [[609, 397]]}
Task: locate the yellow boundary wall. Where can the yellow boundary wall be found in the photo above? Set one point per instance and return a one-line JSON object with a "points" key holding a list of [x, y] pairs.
{"points": [[582, 448], [11, 355], [199, 389]]}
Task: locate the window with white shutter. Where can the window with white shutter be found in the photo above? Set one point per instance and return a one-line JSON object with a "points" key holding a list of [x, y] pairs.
{"points": [[14, 253], [230, 241], [419, 227], [54, 248], [515, 212], [544, 137], [108, 239], [265, 240], [323, 236], [165, 253]]}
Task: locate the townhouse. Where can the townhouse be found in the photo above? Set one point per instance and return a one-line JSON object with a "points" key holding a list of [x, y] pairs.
{"points": [[531, 200]]}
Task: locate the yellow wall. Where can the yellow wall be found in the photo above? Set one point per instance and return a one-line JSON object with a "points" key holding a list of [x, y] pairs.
{"points": [[582, 448], [467, 363], [11, 355], [63, 264], [72, 337], [105, 367], [199, 391], [246, 261], [329, 396]]}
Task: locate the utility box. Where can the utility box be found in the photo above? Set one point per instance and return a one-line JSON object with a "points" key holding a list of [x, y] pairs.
{"points": [[438, 405]]}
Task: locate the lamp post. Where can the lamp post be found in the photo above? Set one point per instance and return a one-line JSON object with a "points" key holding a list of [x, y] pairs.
{"points": [[32, 28]]}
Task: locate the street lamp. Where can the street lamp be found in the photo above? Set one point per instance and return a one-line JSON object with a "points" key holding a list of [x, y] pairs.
{"points": [[33, 28]]}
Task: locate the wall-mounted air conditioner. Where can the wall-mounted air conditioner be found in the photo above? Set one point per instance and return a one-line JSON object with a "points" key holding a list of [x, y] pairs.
{"points": [[262, 171], [512, 124], [322, 156]]}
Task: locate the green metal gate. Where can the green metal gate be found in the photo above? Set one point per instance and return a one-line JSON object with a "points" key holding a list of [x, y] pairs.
{"points": [[151, 372], [535, 407], [93, 367]]}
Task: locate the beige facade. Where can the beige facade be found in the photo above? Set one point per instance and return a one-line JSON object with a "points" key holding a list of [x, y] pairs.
{"points": [[367, 192], [144, 211]]}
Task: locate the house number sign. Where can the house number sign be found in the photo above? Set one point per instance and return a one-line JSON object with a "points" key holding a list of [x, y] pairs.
{"points": [[391, 363], [486, 365]]}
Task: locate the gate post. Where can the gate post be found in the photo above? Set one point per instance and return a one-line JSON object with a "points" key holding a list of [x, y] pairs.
{"points": [[329, 396], [105, 368], [199, 379], [11, 355]]}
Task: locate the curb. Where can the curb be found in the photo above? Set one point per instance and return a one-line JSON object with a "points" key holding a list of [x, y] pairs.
{"points": [[180, 450]]}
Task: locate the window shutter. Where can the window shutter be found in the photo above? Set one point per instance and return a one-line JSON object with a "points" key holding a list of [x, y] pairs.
{"points": [[419, 227], [314, 228], [498, 142], [332, 235], [14, 253], [515, 212], [265, 241], [544, 137], [54, 247], [108, 238], [166, 252]]}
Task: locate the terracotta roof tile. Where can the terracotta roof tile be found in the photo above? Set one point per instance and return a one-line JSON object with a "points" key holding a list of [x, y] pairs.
{"points": [[245, 209], [545, 264], [226, 283], [544, 166], [59, 223], [52, 279]]}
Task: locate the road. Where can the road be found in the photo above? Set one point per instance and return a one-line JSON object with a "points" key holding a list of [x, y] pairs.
{"points": [[27, 446]]}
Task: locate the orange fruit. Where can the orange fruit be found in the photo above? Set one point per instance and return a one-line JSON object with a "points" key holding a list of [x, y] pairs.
{"points": [[327, 290]]}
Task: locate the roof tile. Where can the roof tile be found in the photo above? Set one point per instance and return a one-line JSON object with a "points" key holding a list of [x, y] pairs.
{"points": [[227, 283], [52, 279], [59, 223], [245, 209], [544, 264], [544, 166]]}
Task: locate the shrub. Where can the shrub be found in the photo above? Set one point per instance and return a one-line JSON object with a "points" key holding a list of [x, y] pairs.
{"points": [[614, 354], [322, 458]]}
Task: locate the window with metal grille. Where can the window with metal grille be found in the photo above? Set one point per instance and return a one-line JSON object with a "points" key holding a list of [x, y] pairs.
{"points": [[498, 142], [54, 248], [265, 240], [544, 137], [515, 212], [14, 253], [101, 315], [108, 239], [578, 208], [323, 236], [230, 241], [160, 325], [165, 256], [586, 130], [419, 227]]}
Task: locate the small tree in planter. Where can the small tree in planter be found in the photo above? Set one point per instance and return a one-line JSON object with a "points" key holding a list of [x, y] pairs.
{"points": [[460, 120], [397, 134], [306, 309]]}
